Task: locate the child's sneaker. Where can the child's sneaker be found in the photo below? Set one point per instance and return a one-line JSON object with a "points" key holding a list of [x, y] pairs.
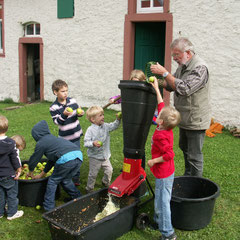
{"points": [[105, 184], [1, 216], [89, 190], [18, 214], [171, 237], [76, 181]]}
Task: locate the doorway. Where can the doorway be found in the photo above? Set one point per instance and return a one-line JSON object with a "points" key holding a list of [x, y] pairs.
{"points": [[33, 73], [30, 70], [149, 43], [137, 56]]}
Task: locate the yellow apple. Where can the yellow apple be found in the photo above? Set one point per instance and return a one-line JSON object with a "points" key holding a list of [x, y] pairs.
{"points": [[151, 79], [119, 114], [79, 111], [39, 165], [69, 109], [38, 207]]}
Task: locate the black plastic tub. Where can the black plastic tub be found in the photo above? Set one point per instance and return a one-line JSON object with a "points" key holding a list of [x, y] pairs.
{"points": [[192, 202], [75, 219], [31, 192]]}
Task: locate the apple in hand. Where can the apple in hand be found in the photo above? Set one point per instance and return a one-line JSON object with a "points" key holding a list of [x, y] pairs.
{"points": [[151, 79], [39, 165], [119, 114], [79, 111], [69, 109], [25, 165], [100, 143]]}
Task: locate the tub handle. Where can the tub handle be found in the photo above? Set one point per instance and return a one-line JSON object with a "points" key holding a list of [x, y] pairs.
{"points": [[56, 226], [176, 200]]}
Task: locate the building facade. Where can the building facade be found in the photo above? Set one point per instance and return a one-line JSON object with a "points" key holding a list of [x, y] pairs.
{"points": [[92, 45]]}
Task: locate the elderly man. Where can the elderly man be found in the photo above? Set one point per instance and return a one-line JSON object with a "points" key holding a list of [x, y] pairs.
{"points": [[190, 84]]}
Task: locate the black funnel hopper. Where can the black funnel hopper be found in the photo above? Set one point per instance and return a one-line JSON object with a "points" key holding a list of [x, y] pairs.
{"points": [[139, 102]]}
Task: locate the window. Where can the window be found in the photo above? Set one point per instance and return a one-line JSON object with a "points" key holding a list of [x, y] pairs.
{"points": [[150, 6], [32, 29], [1, 28], [65, 8]]}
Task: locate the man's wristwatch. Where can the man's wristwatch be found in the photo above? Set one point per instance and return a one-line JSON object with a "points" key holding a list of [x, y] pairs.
{"points": [[165, 74]]}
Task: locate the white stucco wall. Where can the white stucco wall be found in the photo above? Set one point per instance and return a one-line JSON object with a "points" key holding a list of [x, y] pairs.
{"points": [[87, 51], [214, 29]]}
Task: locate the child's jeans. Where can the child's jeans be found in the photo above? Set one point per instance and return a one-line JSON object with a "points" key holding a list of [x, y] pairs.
{"points": [[62, 174], [94, 166], [8, 194], [76, 177], [163, 192]]}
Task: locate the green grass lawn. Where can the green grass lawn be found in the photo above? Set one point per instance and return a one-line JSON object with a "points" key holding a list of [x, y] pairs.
{"points": [[221, 165]]}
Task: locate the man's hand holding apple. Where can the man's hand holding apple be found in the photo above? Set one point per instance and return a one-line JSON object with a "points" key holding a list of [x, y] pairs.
{"points": [[158, 69]]}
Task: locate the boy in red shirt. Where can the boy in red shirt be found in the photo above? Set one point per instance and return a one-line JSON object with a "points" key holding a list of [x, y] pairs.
{"points": [[162, 165]]}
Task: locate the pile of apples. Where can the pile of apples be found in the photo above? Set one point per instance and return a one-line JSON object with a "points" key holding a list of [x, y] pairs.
{"points": [[37, 170]]}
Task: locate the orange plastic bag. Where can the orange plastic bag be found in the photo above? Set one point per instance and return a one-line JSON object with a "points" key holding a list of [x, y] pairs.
{"points": [[214, 128]]}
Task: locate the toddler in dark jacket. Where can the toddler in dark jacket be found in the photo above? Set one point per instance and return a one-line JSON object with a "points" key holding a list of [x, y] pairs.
{"points": [[10, 169]]}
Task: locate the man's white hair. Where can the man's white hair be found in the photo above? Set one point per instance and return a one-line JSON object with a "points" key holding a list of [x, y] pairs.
{"points": [[183, 44]]}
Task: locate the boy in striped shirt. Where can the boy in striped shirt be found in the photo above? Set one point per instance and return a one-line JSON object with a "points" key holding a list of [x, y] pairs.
{"points": [[67, 121]]}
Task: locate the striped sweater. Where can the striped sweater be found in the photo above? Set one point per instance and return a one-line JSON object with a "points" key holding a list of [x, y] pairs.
{"points": [[69, 126]]}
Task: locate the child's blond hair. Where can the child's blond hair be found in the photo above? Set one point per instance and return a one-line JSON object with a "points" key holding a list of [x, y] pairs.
{"points": [[139, 74], [93, 111], [20, 141], [170, 116], [58, 84], [3, 124]]}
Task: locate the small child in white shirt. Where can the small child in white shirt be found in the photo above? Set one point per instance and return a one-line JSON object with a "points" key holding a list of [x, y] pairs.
{"points": [[97, 140]]}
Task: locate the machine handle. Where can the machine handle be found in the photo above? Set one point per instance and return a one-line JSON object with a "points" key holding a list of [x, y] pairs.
{"points": [[107, 105]]}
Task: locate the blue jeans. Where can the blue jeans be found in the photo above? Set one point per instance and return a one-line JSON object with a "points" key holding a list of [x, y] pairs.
{"points": [[62, 174], [77, 175], [8, 194], [163, 192], [191, 143]]}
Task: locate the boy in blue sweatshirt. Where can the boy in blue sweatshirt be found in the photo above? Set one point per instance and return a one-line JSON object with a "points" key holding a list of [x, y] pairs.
{"points": [[64, 155]]}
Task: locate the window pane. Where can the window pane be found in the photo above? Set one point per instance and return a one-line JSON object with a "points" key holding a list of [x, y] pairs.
{"points": [[158, 3], [30, 29], [145, 3], [37, 29]]}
